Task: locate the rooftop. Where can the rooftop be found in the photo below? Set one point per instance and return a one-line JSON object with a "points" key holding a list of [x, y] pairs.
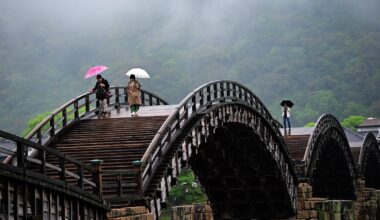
{"points": [[354, 139], [370, 122]]}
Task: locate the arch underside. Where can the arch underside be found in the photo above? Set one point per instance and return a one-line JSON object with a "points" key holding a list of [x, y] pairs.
{"points": [[330, 172], [370, 162], [371, 170], [240, 176]]}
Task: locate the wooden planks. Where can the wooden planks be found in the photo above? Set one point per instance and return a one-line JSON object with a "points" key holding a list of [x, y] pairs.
{"points": [[296, 145], [116, 141]]}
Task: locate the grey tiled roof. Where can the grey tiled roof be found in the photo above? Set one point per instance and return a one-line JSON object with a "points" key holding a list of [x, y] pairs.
{"points": [[354, 139], [370, 123]]}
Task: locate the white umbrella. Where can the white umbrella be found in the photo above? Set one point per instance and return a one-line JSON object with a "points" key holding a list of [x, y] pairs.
{"points": [[138, 72]]}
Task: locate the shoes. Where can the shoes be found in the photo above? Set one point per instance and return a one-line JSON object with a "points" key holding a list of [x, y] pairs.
{"points": [[134, 114]]}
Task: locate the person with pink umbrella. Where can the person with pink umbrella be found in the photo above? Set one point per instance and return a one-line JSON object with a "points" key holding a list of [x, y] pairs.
{"points": [[101, 87]]}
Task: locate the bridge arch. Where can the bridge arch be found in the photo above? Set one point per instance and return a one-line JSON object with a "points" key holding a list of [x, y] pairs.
{"points": [[210, 117], [329, 165], [369, 161]]}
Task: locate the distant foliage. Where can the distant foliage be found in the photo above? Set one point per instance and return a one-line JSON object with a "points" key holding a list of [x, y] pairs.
{"points": [[320, 54], [310, 124], [32, 123], [353, 121], [187, 191]]}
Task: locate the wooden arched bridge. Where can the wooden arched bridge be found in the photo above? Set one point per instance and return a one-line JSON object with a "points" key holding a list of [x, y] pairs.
{"points": [[77, 165]]}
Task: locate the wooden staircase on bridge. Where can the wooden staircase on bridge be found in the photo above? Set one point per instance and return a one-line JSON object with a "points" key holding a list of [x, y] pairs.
{"points": [[116, 141], [296, 145]]}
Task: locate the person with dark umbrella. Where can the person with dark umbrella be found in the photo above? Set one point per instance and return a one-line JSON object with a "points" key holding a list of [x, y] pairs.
{"points": [[286, 105]]}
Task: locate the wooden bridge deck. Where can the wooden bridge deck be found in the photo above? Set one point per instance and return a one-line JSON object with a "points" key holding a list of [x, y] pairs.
{"points": [[118, 139], [144, 111]]}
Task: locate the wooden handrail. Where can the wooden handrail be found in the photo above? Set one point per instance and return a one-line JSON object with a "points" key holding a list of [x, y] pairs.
{"points": [[71, 103], [70, 113], [24, 161]]}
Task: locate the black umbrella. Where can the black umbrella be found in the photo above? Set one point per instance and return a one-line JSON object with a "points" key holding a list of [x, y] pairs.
{"points": [[287, 103]]}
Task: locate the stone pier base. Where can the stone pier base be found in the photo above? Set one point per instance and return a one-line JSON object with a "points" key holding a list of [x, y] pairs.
{"points": [[366, 206], [130, 213], [192, 212]]}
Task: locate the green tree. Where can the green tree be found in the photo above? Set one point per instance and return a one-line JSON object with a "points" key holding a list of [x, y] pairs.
{"points": [[187, 190], [32, 123], [309, 124], [353, 121]]}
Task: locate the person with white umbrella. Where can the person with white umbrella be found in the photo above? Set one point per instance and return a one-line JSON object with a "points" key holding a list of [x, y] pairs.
{"points": [[134, 94], [133, 89]]}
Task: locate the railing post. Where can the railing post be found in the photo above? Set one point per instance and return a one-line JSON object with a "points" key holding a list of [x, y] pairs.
{"points": [[150, 100], [52, 126], [142, 98], [62, 165], [201, 97], [39, 136], [97, 177], [208, 93], [43, 162], [221, 85], [228, 89], [80, 174], [117, 99], [178, 124], [193, 104], [87, 100], [158, 101], [215, 88], [185, 108], [245, 95], [21, 156], [137, 166], [76, 110], [64, 118]]}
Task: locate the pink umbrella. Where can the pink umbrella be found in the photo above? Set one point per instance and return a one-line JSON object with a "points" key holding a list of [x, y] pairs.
{"points": [[95, 70]]}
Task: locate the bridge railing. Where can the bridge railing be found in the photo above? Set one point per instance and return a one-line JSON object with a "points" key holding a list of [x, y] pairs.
{"points": [[83, 106], [201, 98], [126, 185], [60, 172]]}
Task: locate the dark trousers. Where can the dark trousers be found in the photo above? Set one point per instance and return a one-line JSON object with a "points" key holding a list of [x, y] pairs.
{"points": [[286, 119]]}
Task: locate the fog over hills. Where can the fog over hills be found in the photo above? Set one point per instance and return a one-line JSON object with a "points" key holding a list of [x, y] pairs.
{"points": [[324, 55]]}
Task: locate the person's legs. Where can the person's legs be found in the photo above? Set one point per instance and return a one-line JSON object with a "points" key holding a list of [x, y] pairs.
{"points": [[136, 108], [288, 119], [133, 110], [284, 122], [101, 103], [105, 106]]}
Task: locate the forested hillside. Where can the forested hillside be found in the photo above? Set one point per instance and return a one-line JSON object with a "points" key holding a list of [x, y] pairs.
{"points": [[324, 55]]}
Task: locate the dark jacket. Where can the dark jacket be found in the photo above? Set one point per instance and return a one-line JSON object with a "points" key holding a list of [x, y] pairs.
{"points": [[101, 94]]}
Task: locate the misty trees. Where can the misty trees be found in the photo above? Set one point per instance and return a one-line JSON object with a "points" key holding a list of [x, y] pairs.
{"points": [[317, 54]]}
